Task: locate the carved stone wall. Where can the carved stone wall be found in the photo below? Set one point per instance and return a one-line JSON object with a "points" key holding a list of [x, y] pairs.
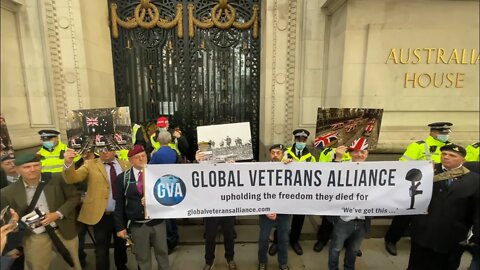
{"points": [[59, 59]]}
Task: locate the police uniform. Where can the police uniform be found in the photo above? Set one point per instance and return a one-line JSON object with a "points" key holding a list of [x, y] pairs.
{"points": [[473, 152], [296, 155], [428, 149], [52, 158]]}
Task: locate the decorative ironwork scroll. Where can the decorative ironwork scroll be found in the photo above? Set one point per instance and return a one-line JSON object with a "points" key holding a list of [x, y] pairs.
{"points": [[222, 9], [140, 20]]}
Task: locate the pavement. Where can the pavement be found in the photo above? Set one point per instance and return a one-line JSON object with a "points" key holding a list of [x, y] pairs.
{"points": [[190, 252]]}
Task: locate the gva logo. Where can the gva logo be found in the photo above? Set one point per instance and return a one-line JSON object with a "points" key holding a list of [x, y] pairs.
{"points": [[169, 190]]}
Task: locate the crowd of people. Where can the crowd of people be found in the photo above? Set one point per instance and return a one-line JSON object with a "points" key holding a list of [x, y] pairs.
{"points": [[60, 196]]}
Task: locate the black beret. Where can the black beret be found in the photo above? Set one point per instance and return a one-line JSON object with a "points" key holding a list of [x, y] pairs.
{"points": [[278, 146], [441, 126], [48, 133], [27, 158], [454, 148], [301, 133]]}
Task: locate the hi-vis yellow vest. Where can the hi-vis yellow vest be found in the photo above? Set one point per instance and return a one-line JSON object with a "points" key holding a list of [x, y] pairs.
{"points": [[424, 150], [156, 145], [305, 158], [328, 155], [122, 154], [135, 128], [53, 161], [473, 152]]}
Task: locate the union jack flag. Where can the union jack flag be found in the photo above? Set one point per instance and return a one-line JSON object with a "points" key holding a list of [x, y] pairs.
{"points": [[98, 138], [369, 128], [359, 144], [325, 139], [118, 137], [92, 121]]}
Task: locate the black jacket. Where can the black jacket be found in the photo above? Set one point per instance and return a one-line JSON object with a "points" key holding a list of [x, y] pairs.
{"points": [[452, 212], [128, 205]]}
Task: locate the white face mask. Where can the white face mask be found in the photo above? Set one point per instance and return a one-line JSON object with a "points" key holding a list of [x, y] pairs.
{"points": [[442, 137]]}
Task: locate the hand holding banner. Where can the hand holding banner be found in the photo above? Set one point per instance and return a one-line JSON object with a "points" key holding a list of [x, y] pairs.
{"points": [[365, 188]]}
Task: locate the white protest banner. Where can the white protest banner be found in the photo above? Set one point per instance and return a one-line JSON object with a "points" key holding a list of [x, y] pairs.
{"points": [[366, 188]]}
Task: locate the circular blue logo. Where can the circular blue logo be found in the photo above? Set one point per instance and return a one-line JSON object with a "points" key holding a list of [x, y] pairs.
{"points": [[169, 190]]}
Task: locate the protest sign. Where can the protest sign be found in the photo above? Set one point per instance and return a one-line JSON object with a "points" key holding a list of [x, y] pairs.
{"points": [[349, 188], [94, 129]]}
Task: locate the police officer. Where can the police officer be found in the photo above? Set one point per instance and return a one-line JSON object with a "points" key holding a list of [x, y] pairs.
{"points": [[428, 149], [52, 151], [298, 152], [473, 152]]}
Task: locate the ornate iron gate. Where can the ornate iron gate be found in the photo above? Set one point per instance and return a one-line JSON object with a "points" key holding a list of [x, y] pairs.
{"points": [[196, 61]]}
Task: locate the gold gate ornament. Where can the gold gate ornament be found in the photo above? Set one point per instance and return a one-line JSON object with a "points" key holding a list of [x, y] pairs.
{"points": [[139, 13], [223, 7]]}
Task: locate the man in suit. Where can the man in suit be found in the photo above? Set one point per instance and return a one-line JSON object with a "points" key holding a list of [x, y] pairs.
{"points": [[99, 204], [129, 207], [58, 200], [453, 209]]}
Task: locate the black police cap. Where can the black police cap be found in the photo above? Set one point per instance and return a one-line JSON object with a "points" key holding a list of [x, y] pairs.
{"points": [[441, 126], [454, 148], [301, 133], [48, 133]]}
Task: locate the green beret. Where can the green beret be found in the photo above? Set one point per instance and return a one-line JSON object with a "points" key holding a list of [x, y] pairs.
{"points": [[27, 158]]}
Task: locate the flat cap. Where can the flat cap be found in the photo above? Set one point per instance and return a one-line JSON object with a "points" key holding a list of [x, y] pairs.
{"points": [[278, 146], [48, 133], [27, 158], [137, 148], [441, 126], [454, 148], [301, 133]]}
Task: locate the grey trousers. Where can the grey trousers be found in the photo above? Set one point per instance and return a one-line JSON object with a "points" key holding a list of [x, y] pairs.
{"points": [[144, 237]]}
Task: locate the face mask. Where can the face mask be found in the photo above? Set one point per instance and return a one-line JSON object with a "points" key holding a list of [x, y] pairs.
{"points": [[442, 137], [300, 145], [48, 145]]}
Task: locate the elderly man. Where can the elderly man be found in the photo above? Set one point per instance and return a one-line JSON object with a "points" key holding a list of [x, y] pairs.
{"points": [[167, 155], [268, 221], [99, 204], [428, 149], [129, 207], [51, 195], [453, 209]]}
